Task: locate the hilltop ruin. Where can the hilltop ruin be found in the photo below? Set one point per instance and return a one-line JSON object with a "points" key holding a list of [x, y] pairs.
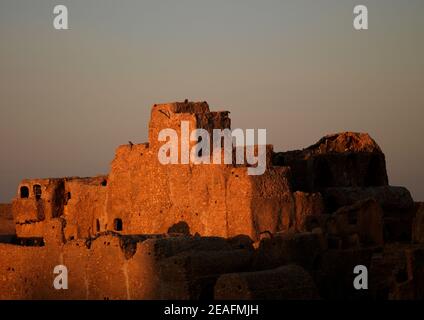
{"points": [[184, 231]]}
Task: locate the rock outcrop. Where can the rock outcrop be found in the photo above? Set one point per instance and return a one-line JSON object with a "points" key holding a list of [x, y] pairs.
{"points": [[346, 159]]}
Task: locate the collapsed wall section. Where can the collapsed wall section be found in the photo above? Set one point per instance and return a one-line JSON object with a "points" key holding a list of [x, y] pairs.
{"points": [[37, 200], [84, 207], [79, 202]]}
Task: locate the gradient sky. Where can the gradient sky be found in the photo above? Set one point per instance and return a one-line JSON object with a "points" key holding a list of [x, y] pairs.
{"points": [[296, 68]]}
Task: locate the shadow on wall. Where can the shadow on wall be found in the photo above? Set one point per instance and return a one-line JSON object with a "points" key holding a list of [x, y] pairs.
{"points": [[180, 227]]}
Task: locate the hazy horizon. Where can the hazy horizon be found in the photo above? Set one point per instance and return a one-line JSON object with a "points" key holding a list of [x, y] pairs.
{"points": [[297, 68]]}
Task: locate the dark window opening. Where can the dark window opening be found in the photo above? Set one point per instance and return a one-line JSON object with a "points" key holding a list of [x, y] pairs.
{"points": [[117, 224], [24, 192], [104, 183], [29, 242], [199, 149], [97, 225], [37, 191], [57, 199]]}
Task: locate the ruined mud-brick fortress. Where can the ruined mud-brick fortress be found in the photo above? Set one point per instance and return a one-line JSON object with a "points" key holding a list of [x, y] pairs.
{"points": [[153, 231]]}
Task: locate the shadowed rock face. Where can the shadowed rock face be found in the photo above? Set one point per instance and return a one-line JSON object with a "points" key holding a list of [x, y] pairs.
{"points": [[153, 231], [289, 282], [340, 160], [390, 198]]}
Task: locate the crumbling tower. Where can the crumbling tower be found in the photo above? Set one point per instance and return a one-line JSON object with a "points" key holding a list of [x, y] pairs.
{"points": [[220, 200]]}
